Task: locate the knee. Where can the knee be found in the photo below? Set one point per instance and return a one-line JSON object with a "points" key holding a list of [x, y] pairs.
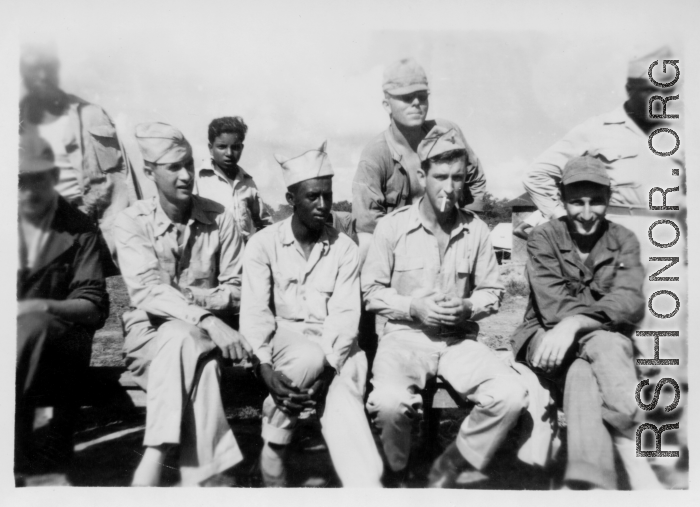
{"points": [[509, 395], [387, 402], [177, 335], [599, 343], [31, 327], [308, 363]]}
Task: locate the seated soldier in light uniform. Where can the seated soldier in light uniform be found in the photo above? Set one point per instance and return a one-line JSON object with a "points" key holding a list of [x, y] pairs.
{"points": [[586, 296], [300, 309], [180, 256], [431, 270], [62, 300]]}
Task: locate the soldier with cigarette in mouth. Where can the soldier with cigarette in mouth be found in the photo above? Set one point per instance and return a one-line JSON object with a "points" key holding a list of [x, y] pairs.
{"points": [[431, 270]]}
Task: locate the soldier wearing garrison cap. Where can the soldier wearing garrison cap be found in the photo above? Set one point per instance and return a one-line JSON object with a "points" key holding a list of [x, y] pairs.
{"points": [[620, 140], [180, 256], [387, 175], [586, 297], [432, 272], [300, 311], [62, 300]]}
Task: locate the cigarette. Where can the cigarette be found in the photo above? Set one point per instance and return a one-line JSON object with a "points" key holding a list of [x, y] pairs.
{"points": [[442, 207]]}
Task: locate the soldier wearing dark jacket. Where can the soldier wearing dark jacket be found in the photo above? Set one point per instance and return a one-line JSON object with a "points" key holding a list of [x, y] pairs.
{"points": [[61, 293]]}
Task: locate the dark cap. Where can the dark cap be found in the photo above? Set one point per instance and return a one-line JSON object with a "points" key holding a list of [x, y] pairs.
{"points": [[585, 168]]}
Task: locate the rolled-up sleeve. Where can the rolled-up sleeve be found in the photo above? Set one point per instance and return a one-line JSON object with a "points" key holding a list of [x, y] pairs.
{"points": [[543, 177], [377, 292], [488, 289], [140, 270], [257, 323], [88, 280], [340, 327]]}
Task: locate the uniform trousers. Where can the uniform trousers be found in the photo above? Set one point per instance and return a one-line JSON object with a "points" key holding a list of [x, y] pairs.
{"points": [[177, 364], [343, 421], [407, 359], [52, 355], [599, 385]]}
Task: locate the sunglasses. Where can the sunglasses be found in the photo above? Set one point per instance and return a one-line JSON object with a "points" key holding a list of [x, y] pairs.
{"points": [[408, 98]]}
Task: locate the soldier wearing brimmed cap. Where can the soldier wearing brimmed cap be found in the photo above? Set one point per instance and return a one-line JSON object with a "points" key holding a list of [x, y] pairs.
{"points": [[620, 140], [431, 270], [180, 256], [62, 300], [300, 311], [387, 175], [586, 297]]}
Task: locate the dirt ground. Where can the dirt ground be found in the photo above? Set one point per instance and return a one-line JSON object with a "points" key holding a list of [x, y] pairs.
{"points": [[108, 440]]}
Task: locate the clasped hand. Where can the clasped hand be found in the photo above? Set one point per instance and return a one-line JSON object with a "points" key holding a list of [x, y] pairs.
{"points": [[441, 310], [290, 398]]}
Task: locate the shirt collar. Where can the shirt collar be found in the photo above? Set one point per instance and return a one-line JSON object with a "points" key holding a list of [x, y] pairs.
{"points": [[397, 149], [208, 167], [198, 213], [287, 235], [415, 219], [566, 244]]}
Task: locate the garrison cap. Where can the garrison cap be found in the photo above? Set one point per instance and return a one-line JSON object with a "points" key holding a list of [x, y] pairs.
{"points": [[439, 140], [310, 164], [585, 168], [404, 77], [161, 143], [35, 154], [643, 56]]}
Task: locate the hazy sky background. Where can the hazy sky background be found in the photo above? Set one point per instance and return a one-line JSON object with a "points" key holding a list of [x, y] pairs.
{"points": [[513, 93]]}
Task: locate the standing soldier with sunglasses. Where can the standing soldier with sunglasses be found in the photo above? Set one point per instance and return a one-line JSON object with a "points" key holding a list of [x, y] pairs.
{"points": [[387, 175], [221, 179]]}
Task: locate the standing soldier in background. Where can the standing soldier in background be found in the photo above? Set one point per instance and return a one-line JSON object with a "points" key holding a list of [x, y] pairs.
{"points": [[387, 175], [180, 256], [620, 139], [221, 179], [93, 170]]}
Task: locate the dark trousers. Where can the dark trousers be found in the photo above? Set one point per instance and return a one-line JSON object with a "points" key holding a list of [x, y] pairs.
{"points": [[598, 380], [52, 357]]}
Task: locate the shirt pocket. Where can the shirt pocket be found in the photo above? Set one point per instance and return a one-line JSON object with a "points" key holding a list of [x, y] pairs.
{"points": [[317, 295], [106, 146], [408, 274], [604, 278]]}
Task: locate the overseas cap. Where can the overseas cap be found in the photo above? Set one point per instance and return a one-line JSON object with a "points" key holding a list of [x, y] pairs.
{"points": [[35, 154], [643, 56], [585, 168], [310, 164], [439, 140], [403, 77], [161, 143]]}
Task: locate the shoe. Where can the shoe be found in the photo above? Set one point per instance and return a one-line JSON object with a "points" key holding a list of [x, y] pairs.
{"points": [[447, 468], [392, 479], [272, 467]]}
